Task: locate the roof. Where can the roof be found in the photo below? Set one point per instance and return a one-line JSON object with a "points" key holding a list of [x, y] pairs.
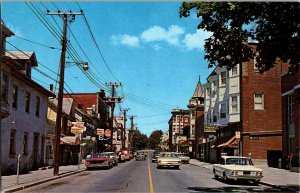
{"points": [[198, 91], [22, 55], [5, 30], [67, 104]]}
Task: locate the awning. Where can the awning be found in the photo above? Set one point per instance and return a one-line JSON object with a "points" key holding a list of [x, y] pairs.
{"points": [[231, 143], [70, 140]]}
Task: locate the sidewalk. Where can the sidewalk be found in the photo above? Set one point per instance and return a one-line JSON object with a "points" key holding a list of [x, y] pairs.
{"points": [[272, 176], [9, 183]]}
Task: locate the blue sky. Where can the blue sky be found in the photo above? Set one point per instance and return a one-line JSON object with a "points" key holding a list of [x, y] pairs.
{"points": [[156, 55]]}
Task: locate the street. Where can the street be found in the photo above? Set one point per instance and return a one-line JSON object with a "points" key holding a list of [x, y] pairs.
{"points": [[143, 176]]}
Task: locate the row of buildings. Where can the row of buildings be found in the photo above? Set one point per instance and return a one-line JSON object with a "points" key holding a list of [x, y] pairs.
{"points": [[28, 117], [241, 112]]}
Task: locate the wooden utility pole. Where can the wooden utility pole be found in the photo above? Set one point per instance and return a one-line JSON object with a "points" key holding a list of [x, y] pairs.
{"points": [[131, 130], [111, 101], [65, 16], [123, 134]]}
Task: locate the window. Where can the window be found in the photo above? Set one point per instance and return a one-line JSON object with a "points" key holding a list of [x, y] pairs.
{"points": [[15, 97], [234, 70], [223, 78], [215, 115], [12, 143], [27, 102], [208, 117], [25, 144], [4, 88], [258, 101], [223, 110], [37, 106], [215, 87], [289, 109], [208, 91], [234, 104], [256, 69]]}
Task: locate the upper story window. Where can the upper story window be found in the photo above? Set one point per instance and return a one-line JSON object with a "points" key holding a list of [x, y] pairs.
{"points": [[223, 111], [27, 102], [15, 97], [258, 101], [256, 69], [234, 71], [215, 115], [289, 109], [223, 78], [37, 106], [215, 87], [234, 104], [208, 91], [4, 87]]}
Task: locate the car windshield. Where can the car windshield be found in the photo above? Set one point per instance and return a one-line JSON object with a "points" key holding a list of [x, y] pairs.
{"points": [[97, 155], [168, 155], [182, 155], [238, 161]]}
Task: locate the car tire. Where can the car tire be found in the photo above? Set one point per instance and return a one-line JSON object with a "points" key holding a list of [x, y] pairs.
{"points": [[225, 178], [255, 182]]}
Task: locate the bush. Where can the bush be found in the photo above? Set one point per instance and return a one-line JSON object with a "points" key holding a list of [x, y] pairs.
{"points": [[296, 160]]}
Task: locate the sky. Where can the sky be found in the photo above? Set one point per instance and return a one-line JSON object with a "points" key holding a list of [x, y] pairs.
{"points": [[156, 55]]}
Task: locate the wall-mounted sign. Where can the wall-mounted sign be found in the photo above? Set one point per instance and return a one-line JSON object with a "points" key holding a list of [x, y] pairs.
{"points": [[100, 132], [107, 133]]}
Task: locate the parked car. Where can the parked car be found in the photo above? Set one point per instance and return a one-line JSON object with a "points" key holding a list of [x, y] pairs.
{"points": [[126, 154], [168, 159], [183, 157], [155, 155], [98, 160], [114, 156], [121, 156], [140, 155], [237, 168]]}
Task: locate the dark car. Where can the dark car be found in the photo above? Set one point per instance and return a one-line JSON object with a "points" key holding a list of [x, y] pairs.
{"points": [[155, 155], [140, 155]]}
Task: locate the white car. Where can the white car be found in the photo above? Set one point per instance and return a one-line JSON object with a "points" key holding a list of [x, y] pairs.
{"points": [[183, 157], [237, 168], [168, 159]]}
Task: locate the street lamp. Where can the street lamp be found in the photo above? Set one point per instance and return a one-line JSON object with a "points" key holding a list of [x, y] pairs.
{"points": [[85, 65]]}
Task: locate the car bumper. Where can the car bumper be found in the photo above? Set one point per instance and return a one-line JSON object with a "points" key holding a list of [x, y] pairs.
{"points": [[168, 164], [256, 178], [97, 165]]}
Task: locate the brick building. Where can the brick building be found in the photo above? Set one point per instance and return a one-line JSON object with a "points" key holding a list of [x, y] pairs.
{"points": [[245, 108]]}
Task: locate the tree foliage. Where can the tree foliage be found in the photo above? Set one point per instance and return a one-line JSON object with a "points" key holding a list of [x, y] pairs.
{"points": [[155, 139], [140, 141], [275, 26]]}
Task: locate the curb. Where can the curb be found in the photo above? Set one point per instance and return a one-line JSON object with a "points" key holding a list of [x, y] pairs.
{"points": [[31, 184]]}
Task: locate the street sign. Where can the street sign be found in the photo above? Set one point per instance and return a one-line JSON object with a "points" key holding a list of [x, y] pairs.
{"points": [[100, 131], [107, 133], [101, 137], [76, 130], [79, 125]]}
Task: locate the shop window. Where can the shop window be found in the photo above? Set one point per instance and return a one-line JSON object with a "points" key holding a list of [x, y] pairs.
{"points": [[15, 97]]}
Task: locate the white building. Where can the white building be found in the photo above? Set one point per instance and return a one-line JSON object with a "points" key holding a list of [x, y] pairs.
{"points": [[23, 130]]}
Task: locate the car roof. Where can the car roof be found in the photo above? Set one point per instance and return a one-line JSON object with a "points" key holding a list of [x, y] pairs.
{"points": [[226, 156]]}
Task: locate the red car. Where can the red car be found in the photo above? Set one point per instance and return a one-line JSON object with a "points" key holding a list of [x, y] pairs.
{"points": [[98, 160]]}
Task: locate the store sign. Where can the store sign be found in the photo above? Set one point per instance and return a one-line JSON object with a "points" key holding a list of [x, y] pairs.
{"points": [[210, 128], [107, 133], [76, 130]]}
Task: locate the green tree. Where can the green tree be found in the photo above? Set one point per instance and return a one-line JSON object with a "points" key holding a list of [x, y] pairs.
{"points": [[140, 141], [155, 139], [275, 26]]}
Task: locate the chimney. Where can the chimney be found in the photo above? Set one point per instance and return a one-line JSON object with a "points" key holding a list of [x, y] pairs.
{"points": [[102, 94], [51, 87]]}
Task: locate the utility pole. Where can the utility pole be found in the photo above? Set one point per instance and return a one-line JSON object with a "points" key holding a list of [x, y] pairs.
{"points": [[65, 16], [131, 130], [111, 101], [123, 134]]}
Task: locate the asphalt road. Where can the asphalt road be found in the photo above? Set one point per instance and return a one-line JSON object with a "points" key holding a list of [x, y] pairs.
{"points": [[143, 176]]}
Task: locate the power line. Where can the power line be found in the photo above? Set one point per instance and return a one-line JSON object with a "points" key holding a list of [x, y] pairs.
{"points": [[51, 47]]}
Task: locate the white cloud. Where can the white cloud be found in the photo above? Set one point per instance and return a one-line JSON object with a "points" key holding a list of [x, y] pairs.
{"points": [[196, 40], [156, 47], [157, 33], [128, 40]]}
